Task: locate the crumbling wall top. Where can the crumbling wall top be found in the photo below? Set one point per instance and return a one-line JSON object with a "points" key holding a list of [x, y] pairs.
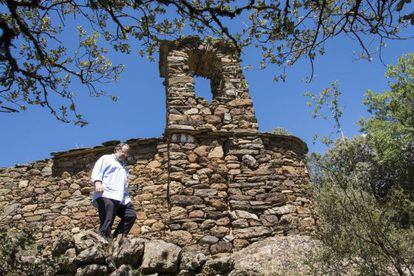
{"points": [[204, 50]]}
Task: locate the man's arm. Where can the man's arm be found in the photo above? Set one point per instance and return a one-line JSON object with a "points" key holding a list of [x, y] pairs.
{"points": [[97, 174]]}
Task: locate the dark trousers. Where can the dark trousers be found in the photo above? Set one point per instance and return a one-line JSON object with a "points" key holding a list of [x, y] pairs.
{"points": [[109, 208]]}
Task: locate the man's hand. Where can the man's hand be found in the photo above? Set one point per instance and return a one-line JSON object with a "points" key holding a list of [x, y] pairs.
{"points": [[99, 187]]}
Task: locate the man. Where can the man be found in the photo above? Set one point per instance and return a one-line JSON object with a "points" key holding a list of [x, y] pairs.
{"points": [[111, 192]]}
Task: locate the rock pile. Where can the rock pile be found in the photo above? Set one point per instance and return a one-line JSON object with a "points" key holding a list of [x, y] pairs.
{"points": [[87, 254]]}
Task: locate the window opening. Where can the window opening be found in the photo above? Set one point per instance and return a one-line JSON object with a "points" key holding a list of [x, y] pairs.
{"points": [[203, 88]]}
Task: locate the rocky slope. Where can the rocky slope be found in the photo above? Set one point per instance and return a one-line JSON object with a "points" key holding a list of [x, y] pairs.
{"points": [[88, 254]]}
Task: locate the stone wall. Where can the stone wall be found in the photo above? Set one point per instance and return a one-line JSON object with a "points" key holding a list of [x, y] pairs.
{"points": [[211, 183]]}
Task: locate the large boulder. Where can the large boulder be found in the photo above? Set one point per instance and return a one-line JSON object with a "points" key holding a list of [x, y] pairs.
{"points": [[87, 239], [273, 255], [93, 255], [160, 257], [128, 251]]}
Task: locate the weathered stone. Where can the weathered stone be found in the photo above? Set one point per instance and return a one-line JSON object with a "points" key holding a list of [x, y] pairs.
{"points": [[234, 171], [240, 214], [194, 166], [201, 151], [240, 102], [92, 255], [184, 200], [286, 209], [219, 231], [288, 219], [218, 204], [124, 270], [180, 79], [88, 239], [192, 261], [250, 161], [65, 194], [65, 174], [205, 192], [160, 257], [240, 243], [243, 152], [269, 220], [223, 221], [29, 208], [176, 188], [154, 164], [182, 127], [221, 264], [23, 183], [217, 152], [178, 212], [66, 263], [176, 117], [209, 239], [206, 171], [251, 232], [253, 258], [192, 157], [180, 237], [213, 119], [191, 111], [128, 251], [289, 170], [62, 243], [221, 247], [274, 198], [207, 224], [196, 214], [240, 223], [227, 117], [11, 209], [219, 186], [307, 223], [190, 225], [33, 218], [92, 270]]}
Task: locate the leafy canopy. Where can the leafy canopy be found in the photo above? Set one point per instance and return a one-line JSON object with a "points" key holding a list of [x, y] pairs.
{"points": [[38, 67]]}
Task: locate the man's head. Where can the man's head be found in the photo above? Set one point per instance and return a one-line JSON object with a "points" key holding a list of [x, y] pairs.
{"points": [[121, 151]]}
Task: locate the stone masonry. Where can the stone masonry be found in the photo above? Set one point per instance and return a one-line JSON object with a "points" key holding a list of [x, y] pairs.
{"points": [[212, 182]]}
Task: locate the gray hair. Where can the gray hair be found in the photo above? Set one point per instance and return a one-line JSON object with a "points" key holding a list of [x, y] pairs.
{"points": [[120, 146]]}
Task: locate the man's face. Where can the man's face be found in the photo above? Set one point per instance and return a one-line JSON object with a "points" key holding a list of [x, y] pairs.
{"points": [[123, 153]]}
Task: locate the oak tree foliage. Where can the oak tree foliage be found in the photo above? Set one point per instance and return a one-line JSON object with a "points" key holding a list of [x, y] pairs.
{"points": [[39, 67]]}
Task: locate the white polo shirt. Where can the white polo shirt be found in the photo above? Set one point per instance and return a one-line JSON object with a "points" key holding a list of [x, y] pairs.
{"points": [[114, 178]]}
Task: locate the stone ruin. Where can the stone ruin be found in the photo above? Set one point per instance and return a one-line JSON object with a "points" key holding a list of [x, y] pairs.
{"points": [[211, 183]]}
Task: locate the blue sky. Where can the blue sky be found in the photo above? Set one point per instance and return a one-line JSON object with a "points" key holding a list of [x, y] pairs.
{"points": [[140, 110]]}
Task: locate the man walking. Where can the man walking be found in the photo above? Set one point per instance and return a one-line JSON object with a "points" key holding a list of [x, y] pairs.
{"points": [[111, 192]]}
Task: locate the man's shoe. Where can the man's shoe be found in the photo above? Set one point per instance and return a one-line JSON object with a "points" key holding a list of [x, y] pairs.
{"points": [[105, 239]]}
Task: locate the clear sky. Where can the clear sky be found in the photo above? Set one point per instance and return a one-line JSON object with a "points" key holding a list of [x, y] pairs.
{"points": [[140, 110]]}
